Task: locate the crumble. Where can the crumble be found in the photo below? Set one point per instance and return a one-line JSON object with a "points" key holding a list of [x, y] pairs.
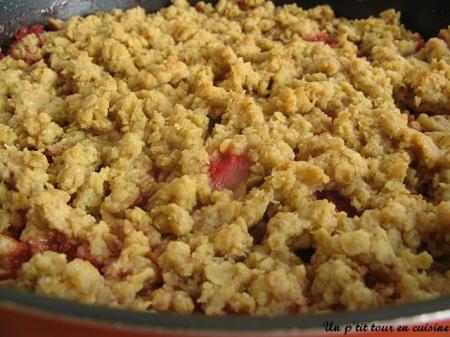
{"points": [[241, 158]]}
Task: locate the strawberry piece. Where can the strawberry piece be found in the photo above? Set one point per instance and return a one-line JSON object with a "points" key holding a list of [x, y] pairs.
{"points": [[20, 34], [13, 255], [39, 244], [27, 30], [316, 37], [56, 242], [24, 31], [36, 29], [320, 37], [228, 170], [332, 43]]}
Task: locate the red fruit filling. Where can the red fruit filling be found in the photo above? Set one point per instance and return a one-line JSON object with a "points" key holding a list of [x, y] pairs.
{"points": [[228, 170], [20, 34], [320, 37]]}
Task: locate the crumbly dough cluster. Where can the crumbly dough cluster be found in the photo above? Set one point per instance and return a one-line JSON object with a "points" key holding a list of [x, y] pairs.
{"points": [[240, 158]]}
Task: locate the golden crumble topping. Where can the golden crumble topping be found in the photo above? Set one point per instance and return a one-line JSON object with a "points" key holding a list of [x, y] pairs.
{"points": [[237, 158]]}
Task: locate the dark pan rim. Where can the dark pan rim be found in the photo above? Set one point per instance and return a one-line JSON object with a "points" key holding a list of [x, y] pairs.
{"points": [[197, 322]]}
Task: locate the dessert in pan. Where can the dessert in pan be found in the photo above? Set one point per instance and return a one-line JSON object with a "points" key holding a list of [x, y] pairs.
{"points": [[237, 158]]}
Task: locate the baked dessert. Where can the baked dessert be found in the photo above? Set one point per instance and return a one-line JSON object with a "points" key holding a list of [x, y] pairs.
{"points": [[241, 158]]}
